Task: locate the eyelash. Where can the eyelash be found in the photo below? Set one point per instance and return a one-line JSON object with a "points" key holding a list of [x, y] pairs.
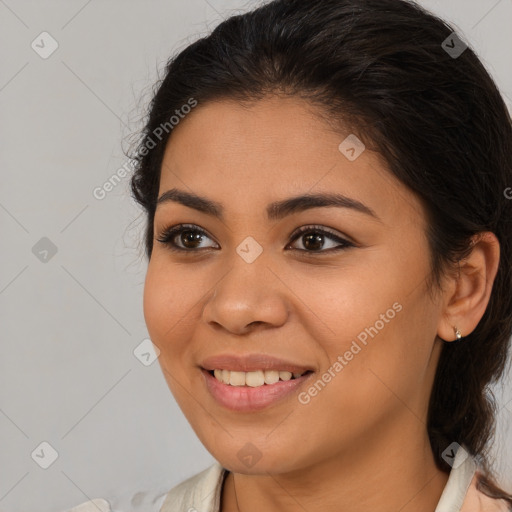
{"points": [[169, 234]]}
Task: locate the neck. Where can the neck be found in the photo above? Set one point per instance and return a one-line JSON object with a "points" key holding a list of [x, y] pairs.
{"points": [[384, 475]]}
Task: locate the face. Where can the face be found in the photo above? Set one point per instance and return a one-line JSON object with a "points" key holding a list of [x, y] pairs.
{"points": [[334, 289]]}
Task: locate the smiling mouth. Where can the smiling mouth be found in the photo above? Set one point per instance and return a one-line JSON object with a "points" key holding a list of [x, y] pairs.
{"points": [[256, 378]]}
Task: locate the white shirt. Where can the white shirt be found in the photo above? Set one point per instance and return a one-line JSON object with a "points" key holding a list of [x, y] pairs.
{"points": [[202, 492]]}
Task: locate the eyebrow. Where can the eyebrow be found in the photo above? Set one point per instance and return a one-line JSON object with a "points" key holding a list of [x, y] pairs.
{"points": [[275, 211]]}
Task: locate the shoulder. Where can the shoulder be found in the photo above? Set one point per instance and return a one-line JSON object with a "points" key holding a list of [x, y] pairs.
{"points": [[96, 505], [199, 492], [462, 492], [478, 501]]}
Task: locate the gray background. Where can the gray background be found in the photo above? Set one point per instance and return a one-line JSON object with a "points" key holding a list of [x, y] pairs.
{"points": [[71, 320]]}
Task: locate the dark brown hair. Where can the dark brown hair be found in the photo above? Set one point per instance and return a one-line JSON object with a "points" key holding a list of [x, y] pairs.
{"points": [[384, 69]]}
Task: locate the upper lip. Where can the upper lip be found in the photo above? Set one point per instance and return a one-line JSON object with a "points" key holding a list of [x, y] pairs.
{"points": [[251, 362]]}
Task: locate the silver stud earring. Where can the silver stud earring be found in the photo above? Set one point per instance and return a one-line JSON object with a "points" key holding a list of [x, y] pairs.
{"points": [[457, 333]]}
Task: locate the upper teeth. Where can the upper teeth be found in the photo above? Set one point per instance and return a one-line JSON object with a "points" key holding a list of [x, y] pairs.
{"points": [[253, 379]]}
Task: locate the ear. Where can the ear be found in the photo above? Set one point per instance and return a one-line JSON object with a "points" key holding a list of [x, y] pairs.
{"points": [[467, 294]]}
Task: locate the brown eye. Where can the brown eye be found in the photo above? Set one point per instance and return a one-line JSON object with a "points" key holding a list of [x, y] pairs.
{"points": [[313, 240], [189, 238]]}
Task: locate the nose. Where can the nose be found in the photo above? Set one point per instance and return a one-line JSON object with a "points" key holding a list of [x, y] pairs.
{"points": [[249, 296]]}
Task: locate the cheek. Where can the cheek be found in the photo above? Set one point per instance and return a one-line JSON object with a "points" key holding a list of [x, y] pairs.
{"points": [[165, 310], [391, 371], [377, 325], [170, 305], [153, 304], [162, 312]]}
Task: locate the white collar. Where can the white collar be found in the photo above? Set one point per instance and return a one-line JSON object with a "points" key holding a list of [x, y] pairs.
{"points": [[202, 492], [456, 488]]}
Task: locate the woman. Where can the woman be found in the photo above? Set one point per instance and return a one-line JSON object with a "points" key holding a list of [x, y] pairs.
{"points": [[330, 259]]}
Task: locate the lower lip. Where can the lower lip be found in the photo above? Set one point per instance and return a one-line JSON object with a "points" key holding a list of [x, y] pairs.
{"points": [[245, 398]]}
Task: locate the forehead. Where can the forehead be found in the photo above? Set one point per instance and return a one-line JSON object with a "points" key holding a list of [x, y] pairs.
{"points": [[274, 147], [268, 127]]}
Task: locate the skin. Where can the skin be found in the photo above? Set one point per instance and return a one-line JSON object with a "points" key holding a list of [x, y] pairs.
{"points": [[366, 430]]}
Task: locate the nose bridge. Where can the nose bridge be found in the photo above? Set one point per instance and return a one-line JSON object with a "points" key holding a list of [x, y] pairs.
{"points": [[248, 277], [249, 292]]}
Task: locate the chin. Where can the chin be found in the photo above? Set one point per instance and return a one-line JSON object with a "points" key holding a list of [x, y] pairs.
{"points": [[241, 456], [262, 467]]}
